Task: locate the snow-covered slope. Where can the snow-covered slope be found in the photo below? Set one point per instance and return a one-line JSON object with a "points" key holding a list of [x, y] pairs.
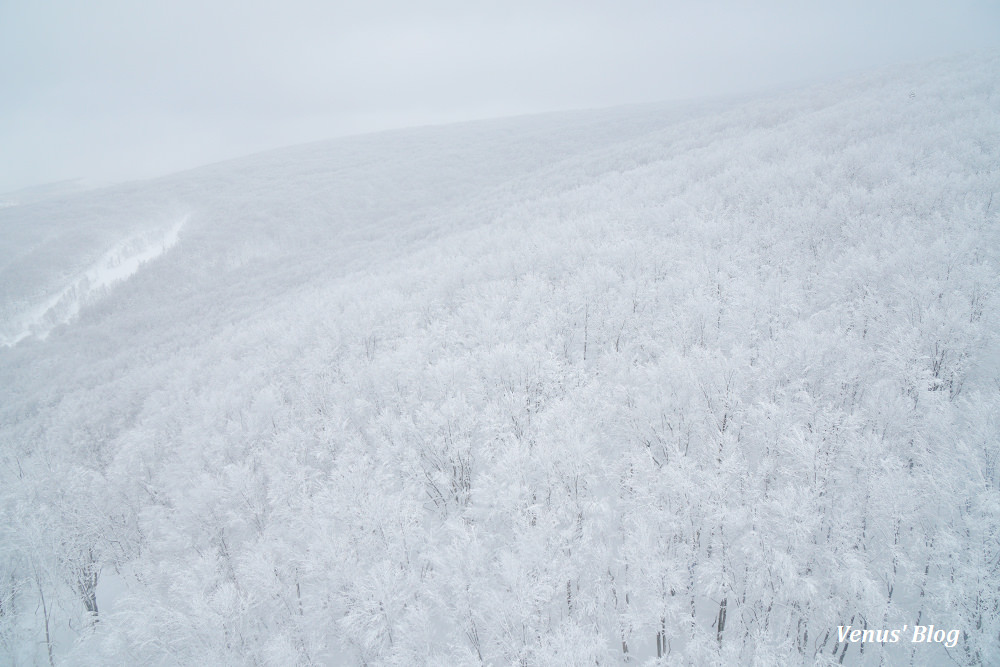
{"points": [[116, 265], [711, 381]]}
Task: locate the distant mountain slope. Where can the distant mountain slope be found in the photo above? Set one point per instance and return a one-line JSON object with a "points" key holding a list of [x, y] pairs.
{"points": [[703, 385], [244, 206]]}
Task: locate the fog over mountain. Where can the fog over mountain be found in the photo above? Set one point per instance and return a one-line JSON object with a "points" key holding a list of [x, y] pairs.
{"points": [[112, 90], [696, 383]]}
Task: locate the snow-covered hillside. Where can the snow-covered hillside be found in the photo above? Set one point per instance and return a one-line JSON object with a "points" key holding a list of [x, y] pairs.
{"points": [[708, 383]]}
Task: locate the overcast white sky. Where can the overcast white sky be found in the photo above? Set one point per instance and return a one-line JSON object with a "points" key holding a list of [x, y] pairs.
{"points": [[121, 89]]}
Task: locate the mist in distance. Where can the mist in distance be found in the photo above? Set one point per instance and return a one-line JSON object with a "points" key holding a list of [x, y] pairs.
{"points": [[113, 90]]}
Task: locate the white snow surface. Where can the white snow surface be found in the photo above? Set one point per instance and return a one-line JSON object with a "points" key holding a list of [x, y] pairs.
{"points": [[708, 381], [116, 265]]}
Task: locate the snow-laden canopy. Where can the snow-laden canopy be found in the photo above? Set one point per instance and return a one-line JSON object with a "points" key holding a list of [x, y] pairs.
{"points": [[708, 382]]}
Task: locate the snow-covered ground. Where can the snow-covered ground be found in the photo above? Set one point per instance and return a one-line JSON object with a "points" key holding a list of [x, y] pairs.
{"points": [[711, 381], [117, 264]]}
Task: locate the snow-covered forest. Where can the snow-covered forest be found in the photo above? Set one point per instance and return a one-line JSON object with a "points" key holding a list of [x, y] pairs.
{"points": [[683, 384]]}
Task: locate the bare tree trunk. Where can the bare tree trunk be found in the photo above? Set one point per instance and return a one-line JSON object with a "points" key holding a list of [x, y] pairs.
{"points": [[45, 615], [86, 583], [621, 626], [720, 623]]}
